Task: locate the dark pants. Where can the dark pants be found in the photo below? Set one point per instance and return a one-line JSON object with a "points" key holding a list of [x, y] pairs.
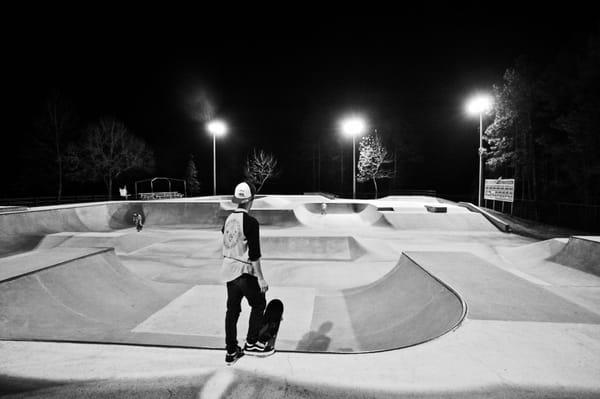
{"points": [[244, 286]]}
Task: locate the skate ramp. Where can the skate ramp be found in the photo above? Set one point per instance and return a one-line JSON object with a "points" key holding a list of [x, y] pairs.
{"points": [[268, 211], [577, 252], [273, 217], [12, 245], [345, 215], [201, 214], [87, 298], [106, 217], [406, 307], [580, 252], [48, 220], [531, 253]]}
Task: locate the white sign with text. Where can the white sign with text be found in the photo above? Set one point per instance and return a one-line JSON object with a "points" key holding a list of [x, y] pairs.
{"points": [[499, 190]]}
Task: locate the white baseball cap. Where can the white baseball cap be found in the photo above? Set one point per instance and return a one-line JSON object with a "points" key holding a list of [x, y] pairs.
{"points": [[243, 193]]}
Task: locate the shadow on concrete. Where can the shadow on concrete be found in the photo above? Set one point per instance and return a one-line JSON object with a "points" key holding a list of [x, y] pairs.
{"points": [[316, 341], [15, 385], [236, 383]]}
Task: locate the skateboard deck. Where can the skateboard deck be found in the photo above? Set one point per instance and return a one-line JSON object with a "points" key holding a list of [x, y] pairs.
{"points": [[272, 320]]}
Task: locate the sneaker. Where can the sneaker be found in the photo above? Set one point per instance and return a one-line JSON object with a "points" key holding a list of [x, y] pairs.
{"points": [[231, 358], [259, 349]]}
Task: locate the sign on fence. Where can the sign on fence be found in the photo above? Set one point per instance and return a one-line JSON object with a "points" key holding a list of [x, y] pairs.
{"points": [[499, 190]]}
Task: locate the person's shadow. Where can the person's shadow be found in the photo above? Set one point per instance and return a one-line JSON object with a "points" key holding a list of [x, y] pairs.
{"points": [[316, 341]]}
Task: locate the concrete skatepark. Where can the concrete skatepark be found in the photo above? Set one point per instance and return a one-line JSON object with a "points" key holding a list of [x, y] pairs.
{"points": [[384, 298]]}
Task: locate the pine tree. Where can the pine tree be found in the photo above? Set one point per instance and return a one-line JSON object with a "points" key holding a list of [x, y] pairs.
{"points": [[191, 177], [511, 137]]}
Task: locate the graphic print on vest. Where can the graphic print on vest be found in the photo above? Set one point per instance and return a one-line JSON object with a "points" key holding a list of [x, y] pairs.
{"points": [[232, 234]]}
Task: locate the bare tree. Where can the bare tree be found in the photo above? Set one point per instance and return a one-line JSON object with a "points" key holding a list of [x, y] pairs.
{"points": [[56, 121], [373, 157], [107, 150], [260, 166]]}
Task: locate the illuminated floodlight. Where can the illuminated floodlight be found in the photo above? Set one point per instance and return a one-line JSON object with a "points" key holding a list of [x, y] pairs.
{"points": [[479, 104], [353, 126], [217, 127]]}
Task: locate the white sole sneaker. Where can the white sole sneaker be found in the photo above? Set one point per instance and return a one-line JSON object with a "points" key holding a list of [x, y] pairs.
{"points": [[258, 351]]}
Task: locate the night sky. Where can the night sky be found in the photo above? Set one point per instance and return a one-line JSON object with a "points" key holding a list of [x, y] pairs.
{"points": [[281, 79]]}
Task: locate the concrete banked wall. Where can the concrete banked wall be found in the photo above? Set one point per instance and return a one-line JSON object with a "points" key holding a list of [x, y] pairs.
{"points": [[92, 298], [405, 307], [107, 217], [338, 215], [581, 253], [95, 299], [96, 217]]}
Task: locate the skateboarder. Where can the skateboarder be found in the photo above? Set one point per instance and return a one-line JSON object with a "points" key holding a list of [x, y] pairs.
{"points": [[137, 219], [241, 271]]}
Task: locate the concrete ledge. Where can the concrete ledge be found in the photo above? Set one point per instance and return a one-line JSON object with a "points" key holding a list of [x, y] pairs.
{"points": [[501, 225], [436, 208], [7, 209]]}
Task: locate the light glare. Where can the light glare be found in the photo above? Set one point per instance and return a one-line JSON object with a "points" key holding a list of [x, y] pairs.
{"points": [[217, 128], [353, 126], [479, 104]]}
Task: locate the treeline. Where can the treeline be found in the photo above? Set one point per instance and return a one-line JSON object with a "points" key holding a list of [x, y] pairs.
{"points": [[62, 151], [546, 130]]}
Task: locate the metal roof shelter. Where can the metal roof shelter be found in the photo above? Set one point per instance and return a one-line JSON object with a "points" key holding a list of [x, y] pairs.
{"points": [[154, 179]]}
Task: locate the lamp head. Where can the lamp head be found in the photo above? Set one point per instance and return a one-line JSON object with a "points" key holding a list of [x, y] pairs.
{"points": [[216, 127], [353, 126], [479, 104]]}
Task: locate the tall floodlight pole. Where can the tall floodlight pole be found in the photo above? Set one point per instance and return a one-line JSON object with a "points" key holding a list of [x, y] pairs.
{"points": [[216, 128], [478, 106], [480, 157], [353, 126]]}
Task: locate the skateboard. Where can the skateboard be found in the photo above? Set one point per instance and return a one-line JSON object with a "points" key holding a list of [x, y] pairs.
{"points": [[272, 319]]}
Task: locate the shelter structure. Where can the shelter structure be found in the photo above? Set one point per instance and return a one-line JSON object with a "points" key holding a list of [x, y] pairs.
{"points": [[152, 194]]}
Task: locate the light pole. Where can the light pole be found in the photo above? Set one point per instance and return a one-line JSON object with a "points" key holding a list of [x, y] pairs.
{"points": [[478, 105], [353, 126], [216, 128]]}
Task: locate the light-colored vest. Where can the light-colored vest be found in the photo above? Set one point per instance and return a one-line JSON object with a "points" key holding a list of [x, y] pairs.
{"points": [[235, 249]]}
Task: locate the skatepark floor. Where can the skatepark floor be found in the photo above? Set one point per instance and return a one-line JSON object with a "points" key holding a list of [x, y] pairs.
{"points": [[530, 326]]}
